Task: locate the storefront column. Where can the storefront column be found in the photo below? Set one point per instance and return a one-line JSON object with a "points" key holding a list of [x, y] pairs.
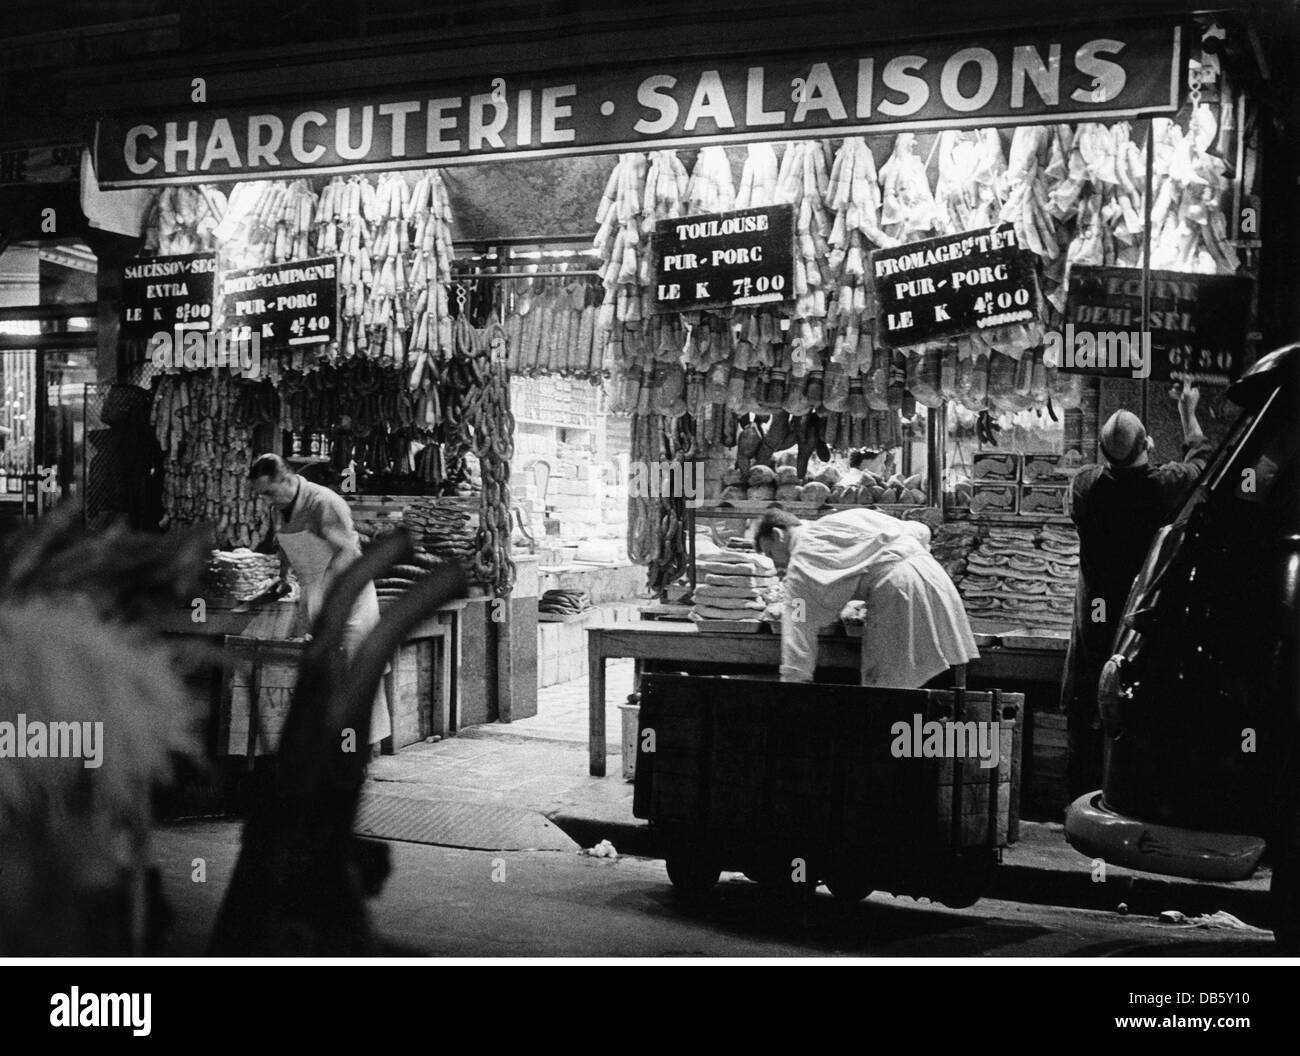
{"points": [[112, 252]]}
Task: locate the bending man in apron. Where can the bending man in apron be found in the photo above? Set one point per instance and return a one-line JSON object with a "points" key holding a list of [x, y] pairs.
{"points": [[313, 526], [916, 626]]}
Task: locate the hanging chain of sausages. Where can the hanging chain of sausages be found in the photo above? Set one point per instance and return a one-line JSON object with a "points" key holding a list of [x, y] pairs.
{"points": [[204, 423], [493, 425]]}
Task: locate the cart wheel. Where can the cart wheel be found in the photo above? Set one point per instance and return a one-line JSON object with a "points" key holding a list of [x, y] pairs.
{"points": [[964, 882], [848, 886], [691, 869]]}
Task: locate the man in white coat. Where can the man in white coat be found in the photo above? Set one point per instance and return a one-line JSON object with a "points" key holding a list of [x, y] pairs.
{"points": [[313, 526], [916, 626]]}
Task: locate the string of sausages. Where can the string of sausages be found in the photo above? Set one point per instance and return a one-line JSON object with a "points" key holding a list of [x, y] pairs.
{"points": [[492, 425]]}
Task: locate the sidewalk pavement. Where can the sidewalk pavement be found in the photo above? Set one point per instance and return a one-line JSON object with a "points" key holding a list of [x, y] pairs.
{"points": [[541, 764]]}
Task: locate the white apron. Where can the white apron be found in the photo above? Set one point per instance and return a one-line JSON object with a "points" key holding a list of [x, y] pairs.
{"points": [[916, 625], [310, 556]]}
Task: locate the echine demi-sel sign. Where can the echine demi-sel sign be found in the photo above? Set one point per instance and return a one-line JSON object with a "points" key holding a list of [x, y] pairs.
{"points": [[719, 259], [953, 284]]}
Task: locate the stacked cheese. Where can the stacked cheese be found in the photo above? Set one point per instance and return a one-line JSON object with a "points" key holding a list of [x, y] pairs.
{"points": [[241, 573], [733, 585], [1023, 575]]}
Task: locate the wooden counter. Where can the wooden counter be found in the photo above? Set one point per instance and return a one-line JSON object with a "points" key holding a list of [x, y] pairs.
{"points": [[662, 642], [424, 689]]}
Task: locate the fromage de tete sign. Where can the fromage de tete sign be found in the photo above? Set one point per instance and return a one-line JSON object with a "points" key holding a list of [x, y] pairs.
{"points": [[953, 284], [719, 259]]}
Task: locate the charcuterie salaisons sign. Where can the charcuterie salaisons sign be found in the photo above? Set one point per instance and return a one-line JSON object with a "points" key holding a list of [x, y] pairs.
{"points": [[1101, 72]]}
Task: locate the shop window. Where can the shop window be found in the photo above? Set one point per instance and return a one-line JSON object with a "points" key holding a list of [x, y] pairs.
{"points": [[47, 370]]}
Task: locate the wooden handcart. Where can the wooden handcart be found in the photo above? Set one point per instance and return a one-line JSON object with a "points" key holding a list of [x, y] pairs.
{"points": [[807, 783]]}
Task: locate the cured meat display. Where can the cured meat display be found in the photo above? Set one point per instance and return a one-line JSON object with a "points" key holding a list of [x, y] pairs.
{"points": [[564, 602], [1023, 576], [374, 395], [204, 422], [446, 528]]}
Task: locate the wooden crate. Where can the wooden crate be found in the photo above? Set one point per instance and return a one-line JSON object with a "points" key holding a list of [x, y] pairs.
{"points": [[410, 686], [259, 683], [1050, 754], [267, 671], [780, 764]]}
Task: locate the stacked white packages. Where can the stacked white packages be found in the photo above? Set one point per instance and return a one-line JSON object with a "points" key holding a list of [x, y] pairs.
{"points": [[734, 585]]}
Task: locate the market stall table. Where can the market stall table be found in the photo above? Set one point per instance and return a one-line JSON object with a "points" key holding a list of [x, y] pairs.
{"points": [[242, 629], [1024, 657]]}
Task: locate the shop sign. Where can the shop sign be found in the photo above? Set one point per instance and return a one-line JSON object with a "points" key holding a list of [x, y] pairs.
{"points": [[1096, 73], [953, 284], [61, 164], [717, 260], [285, 305], [166, 294], [1196, 324]]}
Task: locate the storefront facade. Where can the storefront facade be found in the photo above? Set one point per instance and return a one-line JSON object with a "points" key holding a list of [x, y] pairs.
{"points": [[868, 131]]}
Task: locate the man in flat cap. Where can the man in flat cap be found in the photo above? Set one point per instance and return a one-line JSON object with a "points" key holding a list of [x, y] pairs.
{"points": [[1118, 506]]}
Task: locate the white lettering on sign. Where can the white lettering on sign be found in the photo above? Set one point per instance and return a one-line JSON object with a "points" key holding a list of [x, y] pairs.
{"points": [[1108, 77], [713, 228], [437, 124], [553, 111], [298, 137], [1007, 77], [263, 151]]}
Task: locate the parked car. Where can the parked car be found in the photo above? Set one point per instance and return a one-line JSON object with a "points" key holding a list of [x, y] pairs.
{"points": [[1201, 698]]}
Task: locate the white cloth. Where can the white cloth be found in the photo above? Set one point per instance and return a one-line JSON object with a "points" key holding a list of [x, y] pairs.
{"points": [[310, 556], [121, 212], [916, 626]]}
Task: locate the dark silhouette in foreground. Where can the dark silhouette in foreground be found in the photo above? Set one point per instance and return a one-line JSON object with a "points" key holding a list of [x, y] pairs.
{"points": [[300, 885]]}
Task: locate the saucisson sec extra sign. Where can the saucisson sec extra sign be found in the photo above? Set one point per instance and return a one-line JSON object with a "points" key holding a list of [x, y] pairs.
{"points": [[166, 293], [720, 259]]}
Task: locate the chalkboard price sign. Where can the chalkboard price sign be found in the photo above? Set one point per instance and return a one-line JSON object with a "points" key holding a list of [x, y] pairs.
{"points": [[1195, 326], [286, 305], [167, 294], [953, 284], [718, 260]]}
